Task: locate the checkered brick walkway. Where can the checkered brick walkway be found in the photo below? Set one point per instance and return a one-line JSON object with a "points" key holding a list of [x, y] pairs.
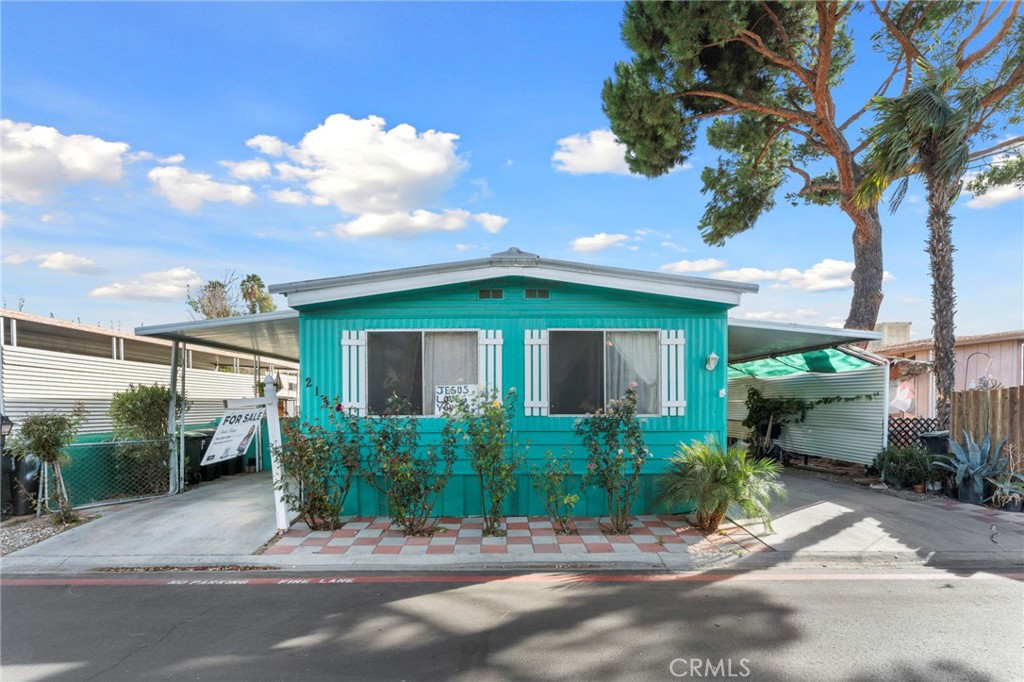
{"points": [[532, 536]]}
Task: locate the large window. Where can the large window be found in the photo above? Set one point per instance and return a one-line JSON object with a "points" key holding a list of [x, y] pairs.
{"points": [[588, 368], [413, 364]]}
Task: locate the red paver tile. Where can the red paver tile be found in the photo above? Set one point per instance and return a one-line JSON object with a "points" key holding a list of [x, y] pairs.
{"points": [[472, 525], [619, 539], [547, 548], [333, 550], [379, 525], [519, 541], [441, 549], [537, 519], [518, 526], [650, 547], [688, 531], [671, 539], [280, 549], [388, 549], [414, 541], [468, 541], [542, 531], [570, 540], [394, 534], [449, 519], [315, 541], [296, 533], [366, 542], [599, 548], [493, 549], [344, 533]]}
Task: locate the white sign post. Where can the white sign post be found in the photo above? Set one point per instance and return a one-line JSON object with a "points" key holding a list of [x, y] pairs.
{"points": [[268, 405]]}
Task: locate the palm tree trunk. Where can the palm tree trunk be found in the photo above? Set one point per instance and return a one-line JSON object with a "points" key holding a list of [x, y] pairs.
{"points": [[940, 254]]}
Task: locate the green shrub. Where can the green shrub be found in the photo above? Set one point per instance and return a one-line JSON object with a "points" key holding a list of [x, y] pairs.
{"points": [[716, 478], [322, 461], [614, 439], [549, 480], [45, 435], [905, 466], [486, 425]]}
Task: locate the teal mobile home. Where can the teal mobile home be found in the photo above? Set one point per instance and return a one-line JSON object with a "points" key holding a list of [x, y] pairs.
{"points": [[567, 337]]}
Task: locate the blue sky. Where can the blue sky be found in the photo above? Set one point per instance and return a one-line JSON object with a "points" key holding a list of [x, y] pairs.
{"points": [[150, 146]]}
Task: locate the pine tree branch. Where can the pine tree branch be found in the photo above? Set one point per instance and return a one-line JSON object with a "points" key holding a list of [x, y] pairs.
{"points": [[826, 35], [785, 114], [980, 26], [965, 63], [764, 149], [1001, 147], [783, 34], [902, 38]]}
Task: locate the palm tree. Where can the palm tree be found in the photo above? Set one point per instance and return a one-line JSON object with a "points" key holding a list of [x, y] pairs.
{"points": [[252, 291], [716, 479], [927, 132]]}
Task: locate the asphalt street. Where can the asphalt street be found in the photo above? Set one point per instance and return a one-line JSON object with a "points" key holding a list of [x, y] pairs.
{"points": [[924, 625]]}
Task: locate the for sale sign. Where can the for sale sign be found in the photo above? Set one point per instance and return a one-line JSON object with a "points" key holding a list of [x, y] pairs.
{"points": [[234, 434]]}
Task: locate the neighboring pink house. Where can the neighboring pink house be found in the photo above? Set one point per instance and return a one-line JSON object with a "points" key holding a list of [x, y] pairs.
{"points": [[998, 357]]}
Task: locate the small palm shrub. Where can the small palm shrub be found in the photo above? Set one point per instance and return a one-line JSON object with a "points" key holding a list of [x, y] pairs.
{"points": [[717, 478]]}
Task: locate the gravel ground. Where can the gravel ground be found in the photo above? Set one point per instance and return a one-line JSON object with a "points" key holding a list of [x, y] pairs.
{"points": [[20, 532]]}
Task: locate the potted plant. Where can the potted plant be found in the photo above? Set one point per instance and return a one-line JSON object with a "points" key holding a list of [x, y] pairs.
{"points": [[972, 465], [45, 435], [1007, 491]]}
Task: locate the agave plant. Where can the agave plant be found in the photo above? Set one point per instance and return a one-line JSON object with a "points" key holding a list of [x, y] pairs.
{"points": [[973, 464], [717, 479]]}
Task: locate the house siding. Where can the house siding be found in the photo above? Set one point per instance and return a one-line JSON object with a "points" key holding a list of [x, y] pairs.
{"points": [[569, 307]]}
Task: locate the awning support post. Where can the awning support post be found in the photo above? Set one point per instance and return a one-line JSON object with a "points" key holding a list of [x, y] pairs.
{"points": [[172, 422]]}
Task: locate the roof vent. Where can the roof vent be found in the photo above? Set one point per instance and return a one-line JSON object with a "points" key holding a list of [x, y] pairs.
{"points": [[514, 257]]}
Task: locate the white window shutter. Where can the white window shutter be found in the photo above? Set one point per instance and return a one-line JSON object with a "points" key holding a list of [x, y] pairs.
{"points": [[353, 371], [673, 393], [489, 359], [536, 381]]}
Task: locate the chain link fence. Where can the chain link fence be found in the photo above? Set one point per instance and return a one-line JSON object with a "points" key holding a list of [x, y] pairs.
{"points": [[114, 471]]}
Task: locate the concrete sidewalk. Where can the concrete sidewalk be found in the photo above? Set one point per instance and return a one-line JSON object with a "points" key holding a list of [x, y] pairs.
{"points": [[822, 524], [826, 522]]}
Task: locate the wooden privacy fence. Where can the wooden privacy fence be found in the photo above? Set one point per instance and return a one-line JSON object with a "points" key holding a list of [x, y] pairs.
{"points": [[1000, 411]]}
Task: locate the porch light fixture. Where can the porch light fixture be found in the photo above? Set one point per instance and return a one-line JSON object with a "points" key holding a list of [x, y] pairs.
{"points": [[712, 361], [5, 425]]}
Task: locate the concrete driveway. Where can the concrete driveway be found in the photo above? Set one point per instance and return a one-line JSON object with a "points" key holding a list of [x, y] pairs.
{"points": [[229, 517], [823, 520]]}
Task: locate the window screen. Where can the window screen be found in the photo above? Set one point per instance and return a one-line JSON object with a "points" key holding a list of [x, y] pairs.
{"points": [[394, 366], [577, 377], [450, 359], [413, 364]]}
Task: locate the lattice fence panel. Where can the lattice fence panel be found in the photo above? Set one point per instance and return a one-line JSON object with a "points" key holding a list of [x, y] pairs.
{"points": [[905, 431]]}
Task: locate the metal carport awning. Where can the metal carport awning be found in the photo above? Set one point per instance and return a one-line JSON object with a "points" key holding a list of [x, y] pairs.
{"points": [[754, 339], [272, 335], [276, 335]]}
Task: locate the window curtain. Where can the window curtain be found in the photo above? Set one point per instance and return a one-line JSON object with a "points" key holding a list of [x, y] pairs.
{"points": [[633, 356], [450, 358]]}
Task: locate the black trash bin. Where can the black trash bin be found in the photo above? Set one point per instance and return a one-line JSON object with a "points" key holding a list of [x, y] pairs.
{"points": [[194, 443], [25, 486], [937, 442], [210, 471]]}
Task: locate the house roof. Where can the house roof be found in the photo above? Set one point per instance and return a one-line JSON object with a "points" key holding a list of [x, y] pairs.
{"points": [[512, 262], [974, 340]]}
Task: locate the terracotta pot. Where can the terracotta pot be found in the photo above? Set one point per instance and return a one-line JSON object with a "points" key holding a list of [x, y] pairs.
{"points": [[919, 488]]}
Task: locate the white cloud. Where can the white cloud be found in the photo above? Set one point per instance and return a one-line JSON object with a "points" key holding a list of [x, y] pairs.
{"points": [[598, 242], [799, 314], [595, 152], [16, 259], [289, 196], [150, 156], [483, 190], [46, 217], [68, 262], [490, 222], [404, 224], [362, 168], [187, 191], [687, 266], [674, 247], [38, 160], [996, 196], [253, 169], [169, 284], [1002, 193], [468, 247], [828, 275]]}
